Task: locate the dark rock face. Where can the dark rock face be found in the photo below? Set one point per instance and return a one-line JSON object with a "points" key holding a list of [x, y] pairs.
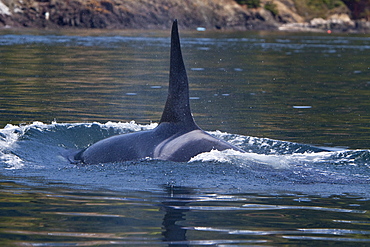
{"points": [[145, 14], [360, 9], [158, 14]]}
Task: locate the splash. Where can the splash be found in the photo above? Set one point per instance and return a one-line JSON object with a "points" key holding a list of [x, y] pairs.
{"points": [[275, 161], [8, 142], [38, 148]]}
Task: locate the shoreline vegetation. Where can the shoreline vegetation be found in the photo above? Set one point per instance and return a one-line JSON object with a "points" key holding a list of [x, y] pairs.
{"points": [[351, 16]]}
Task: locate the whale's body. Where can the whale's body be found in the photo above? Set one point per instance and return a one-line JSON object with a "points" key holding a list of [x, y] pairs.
{"points": [[176, 138]]}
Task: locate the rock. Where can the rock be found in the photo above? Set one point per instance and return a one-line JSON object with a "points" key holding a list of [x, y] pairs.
{"points": [[333, 24], [340, 18], [158, 14], [338, 22], [362, 26], [287, 12], [4, 10], [145, 14]]}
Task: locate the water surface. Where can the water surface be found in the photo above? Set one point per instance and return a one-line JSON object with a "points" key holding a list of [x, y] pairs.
{"points": [[244, 83], [276, 95]]}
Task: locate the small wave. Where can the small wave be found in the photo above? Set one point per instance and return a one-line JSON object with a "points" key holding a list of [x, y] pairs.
{"points": [[268, 146], [32, 143], [39, 145]]}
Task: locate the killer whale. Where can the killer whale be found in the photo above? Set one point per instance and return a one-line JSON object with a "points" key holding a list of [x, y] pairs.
{"points": [[176, 138]]}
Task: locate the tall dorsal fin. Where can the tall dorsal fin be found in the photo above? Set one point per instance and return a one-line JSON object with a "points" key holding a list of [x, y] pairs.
{"points": [[177, 108]]}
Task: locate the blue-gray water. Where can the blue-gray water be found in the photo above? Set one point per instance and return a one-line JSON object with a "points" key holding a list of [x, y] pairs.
{"points": [[276, 95]]}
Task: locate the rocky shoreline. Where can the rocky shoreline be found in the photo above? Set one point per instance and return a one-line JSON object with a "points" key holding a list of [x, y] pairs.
{"points": [[158, 14]]}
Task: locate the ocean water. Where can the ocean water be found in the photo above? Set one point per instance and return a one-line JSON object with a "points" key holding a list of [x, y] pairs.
{"points": [[296, 103]]}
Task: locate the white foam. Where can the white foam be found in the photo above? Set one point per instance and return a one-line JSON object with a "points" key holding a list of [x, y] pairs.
{"points": [[215, 155], [283, 161], [12, 161], [11, 134], [132, 126]]}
